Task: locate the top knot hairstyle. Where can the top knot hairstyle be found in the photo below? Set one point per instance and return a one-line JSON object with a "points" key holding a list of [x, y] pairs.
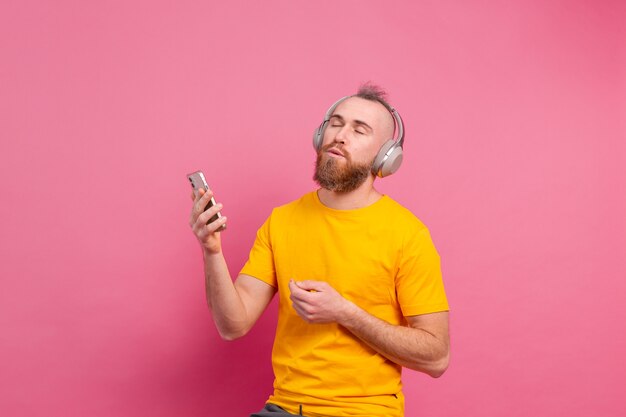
{"points": [[372, 92]]}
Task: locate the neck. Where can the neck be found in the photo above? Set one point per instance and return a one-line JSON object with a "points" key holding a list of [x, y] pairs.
{"points": [[363, 196]]}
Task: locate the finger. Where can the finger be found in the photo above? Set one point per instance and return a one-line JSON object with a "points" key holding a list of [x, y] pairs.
{"points": [[297, 310], [199, 220], [200, 207], [198, 194], [194, 215], [300, 296], [214, 226], [210, 212], [202, 200], [296, 290], [203, 230], [300, 311], [306, 313], [201, 224]]}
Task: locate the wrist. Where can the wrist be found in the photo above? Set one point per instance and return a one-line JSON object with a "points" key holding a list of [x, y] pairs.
{"points": [[211, 253], [348, 314]]}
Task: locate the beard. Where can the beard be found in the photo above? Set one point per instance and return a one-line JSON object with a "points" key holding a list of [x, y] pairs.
{"points": [[333, 175]]}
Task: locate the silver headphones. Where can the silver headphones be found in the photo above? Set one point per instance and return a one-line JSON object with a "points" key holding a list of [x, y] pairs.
{"points": [[389, 157]]}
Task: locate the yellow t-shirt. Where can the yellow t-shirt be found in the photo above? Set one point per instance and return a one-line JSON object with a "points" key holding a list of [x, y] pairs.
{"points": [[381, 258]]}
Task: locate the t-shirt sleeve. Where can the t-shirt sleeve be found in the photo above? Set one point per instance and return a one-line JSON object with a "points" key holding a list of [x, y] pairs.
{"points": [[260, 263], [419, 284]]}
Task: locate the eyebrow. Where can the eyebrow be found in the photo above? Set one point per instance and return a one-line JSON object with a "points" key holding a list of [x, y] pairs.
{"points": [[358, 122]]}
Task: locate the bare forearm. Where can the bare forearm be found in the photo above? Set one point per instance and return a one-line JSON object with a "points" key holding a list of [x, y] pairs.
{"points": [[413, 348], [229, 312]]}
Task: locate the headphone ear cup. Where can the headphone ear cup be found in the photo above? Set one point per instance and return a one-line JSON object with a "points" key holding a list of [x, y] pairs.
{"points": [[393, 162], [387, 165], [318, 136]]}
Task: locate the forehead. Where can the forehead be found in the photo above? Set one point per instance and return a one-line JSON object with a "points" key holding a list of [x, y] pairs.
{"points": [[356, 108]]}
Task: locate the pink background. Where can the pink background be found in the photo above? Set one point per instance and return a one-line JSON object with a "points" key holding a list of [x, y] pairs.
{"points": [[514, 158]]}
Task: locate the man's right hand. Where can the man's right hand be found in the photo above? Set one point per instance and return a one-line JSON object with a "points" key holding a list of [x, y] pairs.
{"points": [[207, 234]]}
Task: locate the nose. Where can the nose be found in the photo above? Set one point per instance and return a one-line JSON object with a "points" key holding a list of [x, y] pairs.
{"points": [[340, 136]]}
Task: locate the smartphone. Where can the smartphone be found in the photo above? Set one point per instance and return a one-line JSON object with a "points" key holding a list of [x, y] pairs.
{"points": [[198, 181]]}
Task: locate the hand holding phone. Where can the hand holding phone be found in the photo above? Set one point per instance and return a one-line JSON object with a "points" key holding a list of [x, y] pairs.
{"points": [[198, 182]]}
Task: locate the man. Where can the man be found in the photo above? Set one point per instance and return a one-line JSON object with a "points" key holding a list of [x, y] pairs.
{"points": [[358, 278]]}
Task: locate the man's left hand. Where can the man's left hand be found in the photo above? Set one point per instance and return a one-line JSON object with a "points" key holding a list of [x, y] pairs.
{"points": [[318, 302]]}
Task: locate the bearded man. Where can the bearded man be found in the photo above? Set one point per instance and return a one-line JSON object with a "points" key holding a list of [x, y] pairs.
{"points": [[357, 276]]}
